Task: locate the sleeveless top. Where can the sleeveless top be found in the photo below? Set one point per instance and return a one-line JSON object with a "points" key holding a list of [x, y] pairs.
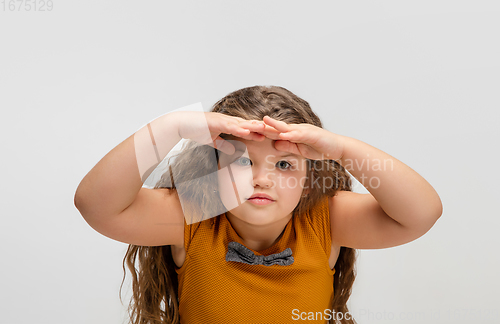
{"points": [[213, 290]]}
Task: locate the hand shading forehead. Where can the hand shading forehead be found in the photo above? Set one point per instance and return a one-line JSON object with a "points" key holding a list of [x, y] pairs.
{"points": [[264, 149], [252, 145]]}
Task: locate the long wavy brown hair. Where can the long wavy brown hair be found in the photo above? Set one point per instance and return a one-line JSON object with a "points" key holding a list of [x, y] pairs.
{"points": [[154, 280]]}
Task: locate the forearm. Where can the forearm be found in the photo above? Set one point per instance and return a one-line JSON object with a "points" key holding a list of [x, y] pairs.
{"points": [[401, 192], [114, 182]]}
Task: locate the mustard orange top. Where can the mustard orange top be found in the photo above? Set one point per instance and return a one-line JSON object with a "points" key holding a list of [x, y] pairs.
{"points": [[215, 291]]}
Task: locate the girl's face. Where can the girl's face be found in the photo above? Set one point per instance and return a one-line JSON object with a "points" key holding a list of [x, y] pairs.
{"points": [[258, 168]]}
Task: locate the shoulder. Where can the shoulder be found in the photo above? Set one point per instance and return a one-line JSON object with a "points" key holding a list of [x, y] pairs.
{"points": [[195, 229], [318, 221]]}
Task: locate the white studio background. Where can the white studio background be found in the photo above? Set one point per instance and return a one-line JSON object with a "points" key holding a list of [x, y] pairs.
{"points": [[418, 80]]}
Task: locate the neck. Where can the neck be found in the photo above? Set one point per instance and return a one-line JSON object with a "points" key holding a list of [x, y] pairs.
{"points": [[258, 237]]}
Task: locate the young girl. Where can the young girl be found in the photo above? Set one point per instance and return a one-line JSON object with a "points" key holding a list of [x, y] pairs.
{"points": [[263, 232]]}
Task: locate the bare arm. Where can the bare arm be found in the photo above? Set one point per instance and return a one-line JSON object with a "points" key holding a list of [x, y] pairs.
{"points": [[401, 206], [401, 192], [114, 182], [111, 197]]}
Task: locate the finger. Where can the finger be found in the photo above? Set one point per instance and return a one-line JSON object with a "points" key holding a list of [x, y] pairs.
{"points": [[286, 146], [292, 136], [252, 136], [223, 146], [299, 149], [256, 137], [238, 118], [271, 129], [277, 124], [270, 132], [252, 125], [241, 120], [234, 129], [254, 130], [249, 130]]}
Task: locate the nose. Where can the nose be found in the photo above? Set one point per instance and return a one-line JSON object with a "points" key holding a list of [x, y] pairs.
{"points": [[261, 177]]}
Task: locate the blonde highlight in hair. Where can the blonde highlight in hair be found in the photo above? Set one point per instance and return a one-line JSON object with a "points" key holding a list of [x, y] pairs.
{"points": [[155, 286]]}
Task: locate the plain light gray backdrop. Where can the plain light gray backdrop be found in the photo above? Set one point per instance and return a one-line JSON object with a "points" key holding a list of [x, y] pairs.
{"points": [[417, 80]]}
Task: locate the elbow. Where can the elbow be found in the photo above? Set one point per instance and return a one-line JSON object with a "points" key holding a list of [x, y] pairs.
{"points": [[431, 208], [438, 209], [77, 200], [80, 204], [431, 218], [433, 211], [433, 215], [438, 205], [425, 220]]}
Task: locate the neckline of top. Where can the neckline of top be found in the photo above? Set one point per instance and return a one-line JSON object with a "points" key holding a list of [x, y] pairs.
{"points": [[270, 250]]}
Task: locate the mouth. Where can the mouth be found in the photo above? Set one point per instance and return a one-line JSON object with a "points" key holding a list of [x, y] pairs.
{"points": [[260, 196], [260, 201]]}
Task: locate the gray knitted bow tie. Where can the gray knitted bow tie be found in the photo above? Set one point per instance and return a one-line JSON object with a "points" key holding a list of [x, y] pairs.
{"points": [[239, 253]]}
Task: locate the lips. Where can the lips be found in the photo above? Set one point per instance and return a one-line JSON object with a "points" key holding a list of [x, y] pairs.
{"points": [[261, 196]]}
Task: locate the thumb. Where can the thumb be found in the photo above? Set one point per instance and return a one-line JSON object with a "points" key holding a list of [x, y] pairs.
{"points": [[285, 146], [223, 146]]}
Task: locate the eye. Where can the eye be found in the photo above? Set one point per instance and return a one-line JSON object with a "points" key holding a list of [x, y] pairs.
{"points": [[288, 165], [244, 159]]}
